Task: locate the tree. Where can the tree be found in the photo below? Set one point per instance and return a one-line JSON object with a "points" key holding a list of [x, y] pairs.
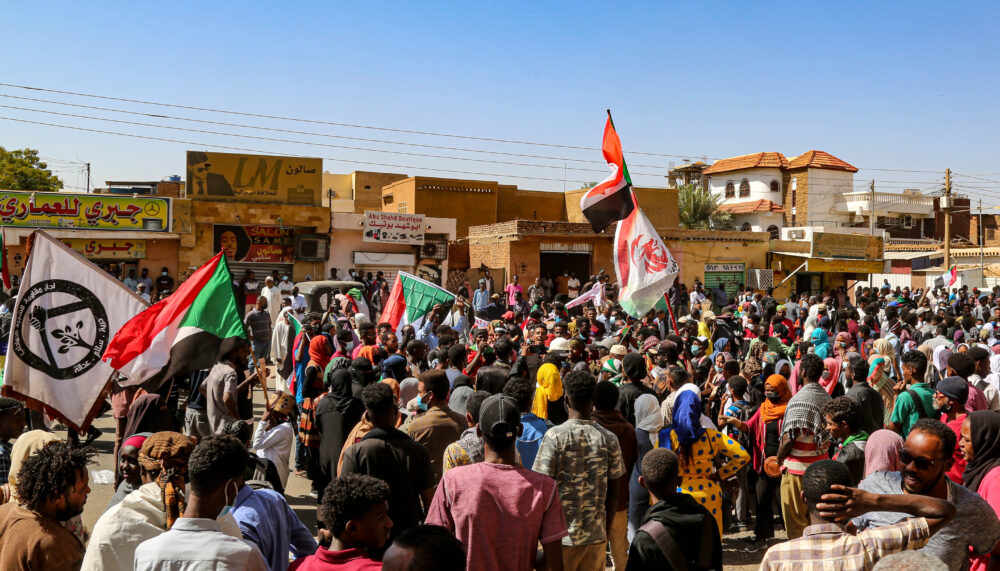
{"points": [[22, 169], [587, 185], [699, 210]]}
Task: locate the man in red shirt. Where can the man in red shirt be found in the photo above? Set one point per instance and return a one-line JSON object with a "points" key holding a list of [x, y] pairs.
{"points": [[355, 511]]}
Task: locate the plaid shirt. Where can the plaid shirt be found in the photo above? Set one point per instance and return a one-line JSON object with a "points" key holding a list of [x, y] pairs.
{"points": [[5, 448], [827, 546]]}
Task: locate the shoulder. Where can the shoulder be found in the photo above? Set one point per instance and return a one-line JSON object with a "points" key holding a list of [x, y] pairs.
{"points": [[883, 483]]}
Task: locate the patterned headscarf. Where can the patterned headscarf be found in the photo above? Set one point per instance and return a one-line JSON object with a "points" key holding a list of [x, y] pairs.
{"points": [[613, 366], [168, 452]]}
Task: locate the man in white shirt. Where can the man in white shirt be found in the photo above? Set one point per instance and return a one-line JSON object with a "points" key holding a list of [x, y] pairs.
{"points": [[285, 286], [274, 436], [273, 295], [298, 301], [574, 286], [697, 296], [196, 540], [141, 291]]}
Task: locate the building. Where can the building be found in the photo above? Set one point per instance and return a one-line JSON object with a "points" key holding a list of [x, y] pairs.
{"points": [[689, 173], [766, 191]]}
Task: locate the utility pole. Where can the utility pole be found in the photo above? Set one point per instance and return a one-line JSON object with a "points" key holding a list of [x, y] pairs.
{"points": [[947, 219], [88, 178], [872, 218], [982, 266]]}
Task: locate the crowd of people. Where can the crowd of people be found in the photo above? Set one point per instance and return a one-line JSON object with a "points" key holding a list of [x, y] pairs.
{"points": [[515, 429]]}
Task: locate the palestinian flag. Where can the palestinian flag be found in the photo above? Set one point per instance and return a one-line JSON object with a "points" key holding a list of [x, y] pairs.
{"points": [[410, 299], [948, 278], [611, 200], [185, 332], [4, 268]]}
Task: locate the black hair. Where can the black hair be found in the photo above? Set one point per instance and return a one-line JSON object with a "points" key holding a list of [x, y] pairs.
{"points": [[820, 476], [660, 468], [918, 361], [605, 396], [522, 391], [679, 373], [843, 409], [414, 345], [475, 403], [445, 339], [215, 461], [345, 336], [737, 384], [503, 347], [978, 353], [8, 405], [378, 398], [457, 355], [435, 382], [50, 472], [579, 387], [860, 368], [811, 367], [366, 326], [939, 430], [238, 429], [434, 549], [962, 363], [349, 498]]}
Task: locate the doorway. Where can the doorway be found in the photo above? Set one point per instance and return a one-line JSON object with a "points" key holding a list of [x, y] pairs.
{"points": [[556, 263]]}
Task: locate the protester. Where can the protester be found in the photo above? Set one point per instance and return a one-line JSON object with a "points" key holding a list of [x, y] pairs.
{"points": [[336, 415], [606, 415], [468, 449], [500, 510], [533, 428], [12, 423], [585, 461], [425, 548], [128, 467], [882, 452], [950, 396], [438, 426], [979, 442], [843, 422], [916, 401], [274, 435]]}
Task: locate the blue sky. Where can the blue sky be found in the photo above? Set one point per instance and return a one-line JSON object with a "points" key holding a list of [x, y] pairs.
{"points": [[881, 85]]}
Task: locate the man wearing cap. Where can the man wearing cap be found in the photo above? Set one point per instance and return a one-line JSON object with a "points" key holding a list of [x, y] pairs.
{"points": [[274, 436], [285, 286], [950, 396], [634, 372], [500, 510]]}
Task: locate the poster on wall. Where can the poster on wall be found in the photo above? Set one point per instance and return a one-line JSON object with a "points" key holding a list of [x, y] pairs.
{"points": [[254, 178], [95, 212], [393, 228], [254, 244], [429, 272]]}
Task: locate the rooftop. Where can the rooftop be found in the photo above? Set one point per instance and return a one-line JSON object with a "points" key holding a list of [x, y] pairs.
{"points": [[820, 160], [756, 160]]}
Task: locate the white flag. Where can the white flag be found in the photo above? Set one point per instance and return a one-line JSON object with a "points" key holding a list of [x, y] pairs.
{"points": [[594, 294], [644, 266], [66, 313]]}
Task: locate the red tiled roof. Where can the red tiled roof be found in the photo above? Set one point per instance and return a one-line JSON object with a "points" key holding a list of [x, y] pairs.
{"points": [[820, 160], [762, 205], [755, 160]]}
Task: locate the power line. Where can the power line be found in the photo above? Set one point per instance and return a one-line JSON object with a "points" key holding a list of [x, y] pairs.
{"points": [[247, 150], [336, 124]]}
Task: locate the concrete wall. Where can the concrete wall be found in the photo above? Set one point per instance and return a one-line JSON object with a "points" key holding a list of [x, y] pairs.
{"points": [[760, 184], [825, 187], [470, 202], [659, 204], [514, 203]]}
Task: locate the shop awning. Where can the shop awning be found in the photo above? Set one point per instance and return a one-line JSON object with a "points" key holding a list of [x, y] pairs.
{"points": [[14, 235]]}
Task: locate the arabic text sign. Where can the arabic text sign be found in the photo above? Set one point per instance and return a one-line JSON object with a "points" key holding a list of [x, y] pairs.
{"points": [[107, 249], [849, 246], [254, 244], [393, 228], [92, 211], [254, 178]]}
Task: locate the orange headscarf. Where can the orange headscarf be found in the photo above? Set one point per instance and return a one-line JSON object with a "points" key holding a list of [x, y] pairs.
{"points": [[368, 352], [770, 411], [319, 352]]}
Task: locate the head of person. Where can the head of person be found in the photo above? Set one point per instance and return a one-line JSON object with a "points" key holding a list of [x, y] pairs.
{"points": [[416, 349], [474, 404], [843, 417], [215, 470], [811, 368], [499, 422], [240, 430], [522, 391], [457, 355], [163, 458], [355, 510], [605, 396], [951, 394], [818, 480], [961, 365], [634, 367], [144, 272], [261, 303], [926, 456], [381, 404], [737, 387], [54, 480], [579, 387], [366, 331], [433, 388], [660, 472], [12, 420], [164, 271], [425, 548], [128, 459]]}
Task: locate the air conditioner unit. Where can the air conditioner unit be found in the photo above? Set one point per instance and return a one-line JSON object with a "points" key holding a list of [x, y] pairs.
{"points": [[312, 247], [434, 250], [796, 234]]}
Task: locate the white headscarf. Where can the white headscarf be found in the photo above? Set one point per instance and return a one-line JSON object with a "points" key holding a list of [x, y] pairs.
{"points": [[647, 416], [994, 377]]}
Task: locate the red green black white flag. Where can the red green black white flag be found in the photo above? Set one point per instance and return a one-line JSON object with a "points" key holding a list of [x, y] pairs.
{"points": [[611, 200]]}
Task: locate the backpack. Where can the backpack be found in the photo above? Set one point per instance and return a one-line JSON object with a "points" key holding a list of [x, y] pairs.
{"points": [[675, 557]]}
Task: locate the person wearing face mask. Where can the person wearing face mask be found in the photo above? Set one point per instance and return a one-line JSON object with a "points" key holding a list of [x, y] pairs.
{"points": [[164, 283], [950, 396], [438, 426], [215, 470]]}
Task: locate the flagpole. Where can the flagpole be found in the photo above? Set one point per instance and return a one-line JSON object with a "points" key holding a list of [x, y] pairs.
{"points": [[670, 310]]}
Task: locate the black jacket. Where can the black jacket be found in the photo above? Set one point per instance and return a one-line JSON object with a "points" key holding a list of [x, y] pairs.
{"points": [[685, 519]]}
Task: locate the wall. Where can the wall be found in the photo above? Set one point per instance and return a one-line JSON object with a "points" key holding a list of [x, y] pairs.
{"points": [[759, 221], [469, 202], [514, 203], [795, 183], [825, 188], [341, 185], [760, 184], [367, 187], [659, 204]]}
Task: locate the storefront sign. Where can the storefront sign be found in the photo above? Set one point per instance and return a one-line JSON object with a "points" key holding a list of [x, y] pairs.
{"points": [[727, 276], [849, 246], [108, 249], [393, 228], [855, 266], [254, 178], [91, 211], [254, 244]]}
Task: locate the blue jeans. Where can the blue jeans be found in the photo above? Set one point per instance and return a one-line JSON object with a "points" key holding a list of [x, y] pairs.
{"points": [[261, 350]]}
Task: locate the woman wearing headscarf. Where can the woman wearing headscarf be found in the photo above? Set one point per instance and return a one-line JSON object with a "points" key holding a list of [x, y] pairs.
{"points": [[460, 393], [648, 421], [882, 452], [879, 380], [394, 368], [548, 389], [699, 450], [941, 355], [148, 413], [336, 414], [931, 376], [764, 430], [821, 343], [843, 344], [884, 348], [980, 444], [311, 388], [831, 377], [127, 467], [611, 371]]}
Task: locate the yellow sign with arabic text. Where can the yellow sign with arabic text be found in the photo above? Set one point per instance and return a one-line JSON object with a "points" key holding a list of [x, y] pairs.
{"points": [[254, 178], [89, 211], [107, 249]]}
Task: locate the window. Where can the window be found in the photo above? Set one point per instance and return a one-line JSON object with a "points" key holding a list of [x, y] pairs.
{"points": [[775, 186], [745, 227], [773, 231], [730, 189], [401, 207], [744, 188]]}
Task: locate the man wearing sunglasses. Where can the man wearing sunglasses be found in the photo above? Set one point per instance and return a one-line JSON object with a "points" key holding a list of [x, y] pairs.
{"points": [[924, 460]]}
